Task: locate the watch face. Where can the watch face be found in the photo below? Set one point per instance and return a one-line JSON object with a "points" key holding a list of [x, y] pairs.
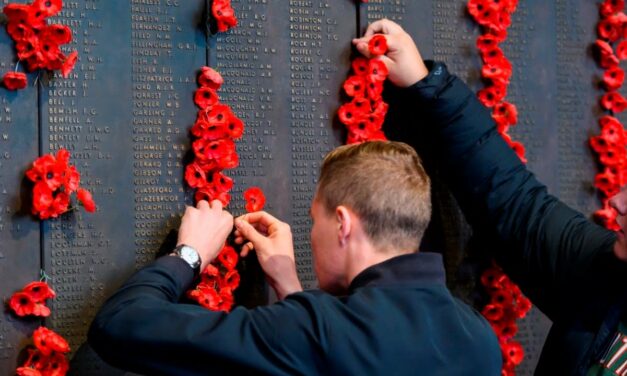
{"points": [[190, 255]]}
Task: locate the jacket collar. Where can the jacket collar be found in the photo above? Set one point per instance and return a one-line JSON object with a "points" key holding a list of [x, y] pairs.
{"points": [[405, 270]]}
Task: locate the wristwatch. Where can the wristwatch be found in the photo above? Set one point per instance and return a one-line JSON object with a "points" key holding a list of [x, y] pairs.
{"points": [[189, 254]]}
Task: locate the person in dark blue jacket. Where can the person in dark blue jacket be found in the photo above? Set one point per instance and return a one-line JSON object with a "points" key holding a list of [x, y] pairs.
{"points": [[383, 307], [572, 269]]}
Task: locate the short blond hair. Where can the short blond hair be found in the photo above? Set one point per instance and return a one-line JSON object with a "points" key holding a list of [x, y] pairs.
{"points": [[385, 185]]}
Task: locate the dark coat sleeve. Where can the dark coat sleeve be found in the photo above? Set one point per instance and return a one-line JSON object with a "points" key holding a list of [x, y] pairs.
{"points": [[143, 328], [557, 256]]}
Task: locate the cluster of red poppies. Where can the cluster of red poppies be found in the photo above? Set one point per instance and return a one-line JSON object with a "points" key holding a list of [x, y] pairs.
{"points": [[47, 358], [364, 115], [495, 16], [37, 43], [31, 300], [610, 144], [224, 14], [55, 181], [507, 304]]}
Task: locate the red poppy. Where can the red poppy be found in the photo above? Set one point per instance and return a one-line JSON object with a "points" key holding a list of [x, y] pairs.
{"points": [[493, 56], [613, 101], [365, 126], [498, 73], [362, 105], [28, 45], [69, 63], [224, 15], [513, 352], [613, 156], [56, 365], [610, 7], [22, 303], [219, 114], [360, 66], [377, 70], [349, 113], [228, 257], [16, 13], [231, 279], [621, 50], [519, 149], [195, 176], [487, 42], [86, 199], [60, 34], [492, 95], [607, 183], [42, 198], [15, 80], [27, 371], [355, 86], [205, 97], [47, 341], [378, 45], [59, 206], [505, 113], [209, 274], [606, 54], [599, 144], [374, 89], [235, 127], [208, 131], [210, 194], [613, 78], [523, 305], [255, 199], [612, 130], [610, 28], [48, 7], [39, 291], [493, 312], [226, 303], [380, 108], [208, 77], [206, 297], [48, 170]]}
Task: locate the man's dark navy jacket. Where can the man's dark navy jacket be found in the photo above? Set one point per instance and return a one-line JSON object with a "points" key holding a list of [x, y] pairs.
{"points": [[563, 262], [398, 319]]}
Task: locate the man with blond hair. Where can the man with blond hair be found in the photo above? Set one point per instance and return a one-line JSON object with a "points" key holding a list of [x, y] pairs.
{"points": [[384, 307]]}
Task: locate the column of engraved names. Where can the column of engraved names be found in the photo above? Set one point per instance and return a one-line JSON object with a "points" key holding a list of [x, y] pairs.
{"points": [[394, 10], [311, 30], [453, 39], [574, 162], [157, 150], [74, 246], [246, 61]]}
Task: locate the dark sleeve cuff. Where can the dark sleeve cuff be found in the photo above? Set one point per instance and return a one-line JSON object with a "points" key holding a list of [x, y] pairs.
{"points": [[429, 87], [179, 271]]}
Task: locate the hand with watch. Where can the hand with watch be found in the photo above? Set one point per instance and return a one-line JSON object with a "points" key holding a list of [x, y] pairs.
{"points": [[202, 234]]}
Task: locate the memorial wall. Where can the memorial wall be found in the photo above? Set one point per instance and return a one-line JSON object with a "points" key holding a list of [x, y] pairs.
{"points": [[125, 113]]}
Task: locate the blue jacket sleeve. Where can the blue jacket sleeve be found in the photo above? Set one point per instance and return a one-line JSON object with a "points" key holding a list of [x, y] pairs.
{"points": [[557, 256], [144, 328]]}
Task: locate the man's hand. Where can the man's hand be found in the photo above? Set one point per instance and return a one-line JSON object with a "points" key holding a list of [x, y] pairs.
{"points": [[205, 228], [272, 241], [404, 63]]}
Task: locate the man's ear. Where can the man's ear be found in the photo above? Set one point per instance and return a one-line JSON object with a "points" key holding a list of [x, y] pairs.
{"points": [[345, 224]]}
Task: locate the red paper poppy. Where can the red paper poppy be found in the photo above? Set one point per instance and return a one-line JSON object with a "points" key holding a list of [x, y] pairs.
{"points": [[487, 42], [610, 28], [613, 78], [208, 131], [60, 34], [492, 312], [56, 365], [377, 70], [611, 7], [613, 101], [48, 170], [365, 126], [220, 182], [523, 305], [362, 105], [606, 54], [210, 194], [231, 279], [205, 98], [228, 257], [16, 13], [235, 127], [28, 46], [497, 73], [493, 56], [378, 45], [208, 77], [47, 341], [22, 303], [195, 176], [613, 156], [15, 80], [226, 303], [219, 114], [255, 199], [224, 15], [607, 217], [612, 130], [505, 113], [27, 371], [355, 86], [360, 66], [621, 50], [206, 297], [380, 108], [86, 199], [599, 144], [69, 63], [39, 291], [42, 197], [374, 89], [492, 95], [348, 113], [48, 7], [513, 353]]}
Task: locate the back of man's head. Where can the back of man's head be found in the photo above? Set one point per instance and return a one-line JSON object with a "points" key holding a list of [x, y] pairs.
{"points": [[385, 185]]}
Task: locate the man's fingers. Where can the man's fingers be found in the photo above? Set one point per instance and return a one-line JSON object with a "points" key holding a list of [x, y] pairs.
{"points": [[246, 248], [260, 217], [202, 204], [216, 205], [248, 231], [383, 26], [362, 47]]}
